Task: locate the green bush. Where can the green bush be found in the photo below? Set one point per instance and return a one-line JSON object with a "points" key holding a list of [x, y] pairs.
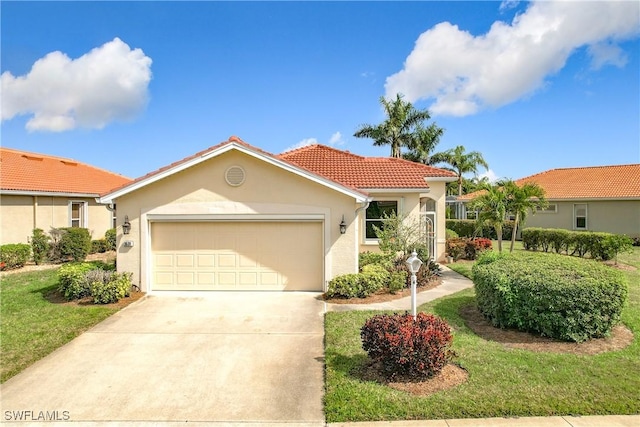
{"points": [[397, 281], [39, 245], [345, 286], [381, 258], [450, 234], [75, 243], [72, 282], [470, 228], [98, 246], [110, 237], [603, 246], [557, 296], [111, 287], [14, 255]]}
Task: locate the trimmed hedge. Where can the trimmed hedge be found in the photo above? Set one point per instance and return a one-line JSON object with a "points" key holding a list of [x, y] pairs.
{"points": [[382, 258], [408, 348], [566, 298], [598, 245], [110, 237], [468, 227], [14, 255], [80, 280]]}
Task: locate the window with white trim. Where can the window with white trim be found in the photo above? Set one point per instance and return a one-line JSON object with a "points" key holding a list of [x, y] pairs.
{"points": [[551, 208], [580, 216], [375, 214], [77, 214]]}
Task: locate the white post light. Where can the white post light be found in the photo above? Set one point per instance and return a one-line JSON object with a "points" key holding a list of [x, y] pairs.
{"points": [[414, 263]]}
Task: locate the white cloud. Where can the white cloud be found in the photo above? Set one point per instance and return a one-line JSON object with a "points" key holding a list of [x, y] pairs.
{"points": [[463, 73], [108, 83], [334, 140], [508, 4], [489, 174]]}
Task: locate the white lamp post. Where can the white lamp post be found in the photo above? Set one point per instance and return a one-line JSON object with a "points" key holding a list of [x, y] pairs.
{"points": [[414, 263]]}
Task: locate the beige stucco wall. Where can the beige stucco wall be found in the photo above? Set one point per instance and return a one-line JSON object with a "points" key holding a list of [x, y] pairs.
{"points": [[409, 204], [619, 217], [269, 192], [19, 215]]}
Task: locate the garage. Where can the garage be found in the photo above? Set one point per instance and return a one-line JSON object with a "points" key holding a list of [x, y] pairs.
{"points": [[237, 255]]}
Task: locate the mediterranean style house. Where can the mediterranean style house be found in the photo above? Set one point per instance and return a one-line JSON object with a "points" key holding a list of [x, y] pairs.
{"points": [[234, 217], [598, 198], [42, 191]]}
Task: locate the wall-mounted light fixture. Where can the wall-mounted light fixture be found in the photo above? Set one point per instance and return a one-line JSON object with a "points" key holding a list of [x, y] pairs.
{"points": [[126, 225], [343, 226]]}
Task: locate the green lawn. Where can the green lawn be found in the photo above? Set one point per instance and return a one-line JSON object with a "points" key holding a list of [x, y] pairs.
{"points": [[502, 382], [32, 326]]}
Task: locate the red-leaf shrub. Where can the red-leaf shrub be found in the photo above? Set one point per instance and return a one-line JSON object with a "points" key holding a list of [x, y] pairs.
{"points": [[466, 248], [406, 348]]}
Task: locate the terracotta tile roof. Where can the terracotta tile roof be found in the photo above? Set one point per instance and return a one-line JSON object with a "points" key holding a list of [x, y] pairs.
{"points": [[596, 182], [25, 171], [363, 172]]}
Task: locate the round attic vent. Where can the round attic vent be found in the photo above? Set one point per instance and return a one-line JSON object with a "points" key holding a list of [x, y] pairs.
{"points": [[234, 176]]}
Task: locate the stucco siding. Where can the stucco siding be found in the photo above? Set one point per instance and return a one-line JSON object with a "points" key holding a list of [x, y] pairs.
{"points": [[409, 204], [619, 217], [21, 214], [200, 193]]}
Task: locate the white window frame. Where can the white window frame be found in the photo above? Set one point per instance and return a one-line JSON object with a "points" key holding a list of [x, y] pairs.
{"points": [[369, 240], [83, 221], [551, 209], [575, 216]]}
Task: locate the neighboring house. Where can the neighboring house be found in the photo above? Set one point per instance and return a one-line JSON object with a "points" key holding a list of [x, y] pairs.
{"points": [[599, 198], [234, 217], [42, 191]]}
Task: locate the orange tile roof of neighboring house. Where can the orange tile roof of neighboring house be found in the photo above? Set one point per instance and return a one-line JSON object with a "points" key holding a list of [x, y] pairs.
{"points": [[33, 172], [595, 182], [363, 172]]}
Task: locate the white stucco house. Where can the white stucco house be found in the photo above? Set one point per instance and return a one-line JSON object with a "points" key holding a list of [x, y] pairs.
{"points": [[234, 217]]}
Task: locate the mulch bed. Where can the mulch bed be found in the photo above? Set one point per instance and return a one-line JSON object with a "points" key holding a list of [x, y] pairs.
{"points": [[620, 338], [384, 296]]}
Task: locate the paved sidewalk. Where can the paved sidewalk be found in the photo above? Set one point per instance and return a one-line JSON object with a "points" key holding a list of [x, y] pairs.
{"points": [[452, 282]]}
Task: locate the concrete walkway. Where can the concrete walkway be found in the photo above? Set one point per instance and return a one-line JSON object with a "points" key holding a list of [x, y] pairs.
{"points": [[452, 282]]}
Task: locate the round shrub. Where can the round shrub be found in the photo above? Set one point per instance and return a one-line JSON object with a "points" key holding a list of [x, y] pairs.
{"points": [[110, 237], [72, 282], [381, 258], [558, 296], [408, 348], [450, 234], [39, 245]]}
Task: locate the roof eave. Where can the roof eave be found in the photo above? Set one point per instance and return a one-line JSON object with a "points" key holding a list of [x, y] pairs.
{"points": [[110, 197], [47, 193]]}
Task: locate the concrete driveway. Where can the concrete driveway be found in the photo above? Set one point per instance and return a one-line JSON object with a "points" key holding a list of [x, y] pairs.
{"points": [[222, 357]]}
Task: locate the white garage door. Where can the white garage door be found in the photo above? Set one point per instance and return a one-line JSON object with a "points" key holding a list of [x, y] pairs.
{"points": [[237, 256]]}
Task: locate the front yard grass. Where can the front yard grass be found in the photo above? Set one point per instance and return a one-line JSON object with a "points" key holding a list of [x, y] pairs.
{"points": [[502, 382], [32, 326]]}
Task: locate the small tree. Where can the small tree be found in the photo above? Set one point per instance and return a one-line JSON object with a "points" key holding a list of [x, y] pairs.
{"points": [[399, 235], [521, 199], [492, 209]]}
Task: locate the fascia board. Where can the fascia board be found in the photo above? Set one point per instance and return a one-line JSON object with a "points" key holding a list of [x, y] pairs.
{"points": [[108, 198]]}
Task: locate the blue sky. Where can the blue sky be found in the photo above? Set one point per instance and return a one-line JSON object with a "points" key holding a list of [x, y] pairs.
{"points": [[135, 86]]}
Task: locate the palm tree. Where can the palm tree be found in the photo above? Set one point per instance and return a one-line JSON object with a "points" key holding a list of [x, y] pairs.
{"points": [[423, 143], [460, 162], [491, 205], [521, 199], [402, 127]]}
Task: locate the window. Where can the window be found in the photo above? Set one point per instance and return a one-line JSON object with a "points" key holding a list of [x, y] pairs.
{"points": [[376, 211], [580, 216], [551, 208], [77, 214]]}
